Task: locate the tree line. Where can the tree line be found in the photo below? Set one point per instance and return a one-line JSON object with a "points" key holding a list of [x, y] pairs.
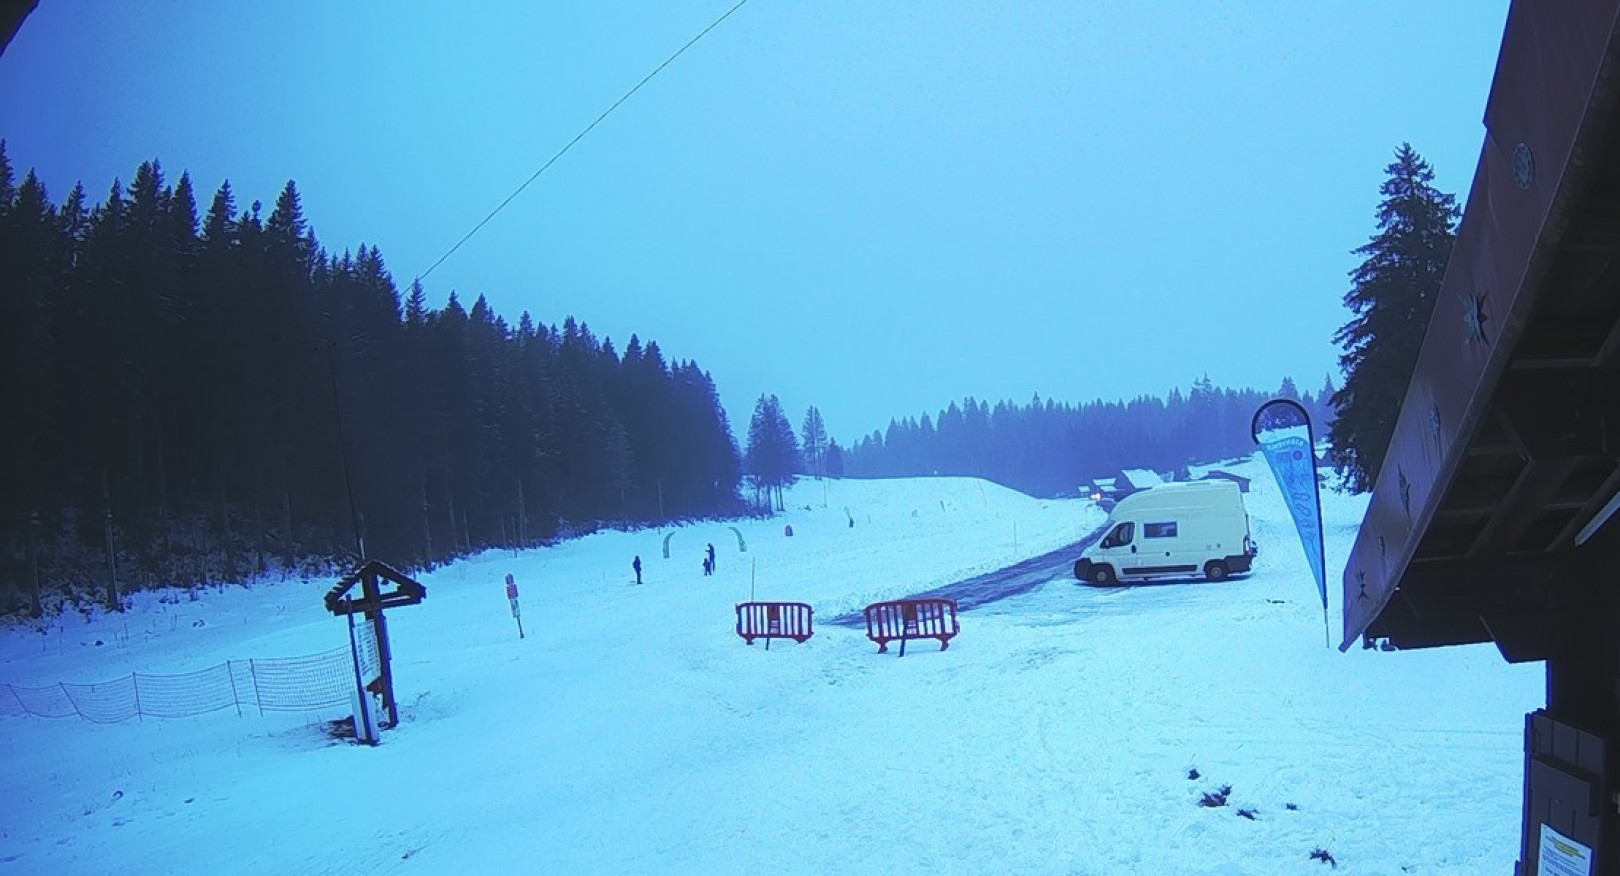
{"points": [[210, 399], [197, 400], [1050, 448]]}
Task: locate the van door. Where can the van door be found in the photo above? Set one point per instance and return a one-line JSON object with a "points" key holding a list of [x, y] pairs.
{"points": [[1118, 547], [1164, 549]]}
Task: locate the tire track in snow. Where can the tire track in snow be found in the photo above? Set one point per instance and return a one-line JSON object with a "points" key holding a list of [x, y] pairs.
{"points": [[1019, 578]]}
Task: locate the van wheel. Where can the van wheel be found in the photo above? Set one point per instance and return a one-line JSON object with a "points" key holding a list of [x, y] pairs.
{"points": [[1215, 570], [1080, 570], [1103, 575]]}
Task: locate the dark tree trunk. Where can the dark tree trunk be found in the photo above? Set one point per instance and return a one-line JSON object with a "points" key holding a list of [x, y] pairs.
{"points": [[35, 609], [113, 603], [427, 526]]}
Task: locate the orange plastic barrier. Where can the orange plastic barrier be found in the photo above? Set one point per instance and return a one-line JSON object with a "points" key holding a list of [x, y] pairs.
{"points": [[774, 620], [908, 619]]}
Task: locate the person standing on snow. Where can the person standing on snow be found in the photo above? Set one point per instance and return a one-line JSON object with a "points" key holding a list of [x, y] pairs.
{"points": [[636, 564], [711, 558]]}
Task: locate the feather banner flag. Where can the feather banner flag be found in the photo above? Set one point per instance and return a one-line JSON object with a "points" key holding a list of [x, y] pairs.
{"points": [[1283, 430]]}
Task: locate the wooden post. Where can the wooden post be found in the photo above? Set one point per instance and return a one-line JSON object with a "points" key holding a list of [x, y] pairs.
{"points": [[386, 664], [371, 605], [35, 610], [362, 719], [112, 554]]}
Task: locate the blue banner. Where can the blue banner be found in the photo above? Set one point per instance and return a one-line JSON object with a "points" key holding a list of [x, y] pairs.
{"points": [[1283, 430]]}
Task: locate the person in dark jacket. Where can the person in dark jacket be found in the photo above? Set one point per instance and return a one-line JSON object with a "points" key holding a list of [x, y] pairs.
{"points": [[636, 564], [710, 567]]}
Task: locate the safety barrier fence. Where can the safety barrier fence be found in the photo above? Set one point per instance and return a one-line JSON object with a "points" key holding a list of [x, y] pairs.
{"points": [[774, 620], [281, 684], [907, 619]]}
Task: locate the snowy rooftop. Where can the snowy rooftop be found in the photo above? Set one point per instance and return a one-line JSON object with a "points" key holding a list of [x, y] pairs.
{"points": [[1142, 478]]}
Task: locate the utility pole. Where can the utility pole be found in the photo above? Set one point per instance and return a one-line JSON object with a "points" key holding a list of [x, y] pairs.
{"points": [[113, 603], [35, 610], [343, 452]]}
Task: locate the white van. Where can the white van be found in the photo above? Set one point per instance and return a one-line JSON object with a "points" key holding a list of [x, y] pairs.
{"points": [[1193, 528]]}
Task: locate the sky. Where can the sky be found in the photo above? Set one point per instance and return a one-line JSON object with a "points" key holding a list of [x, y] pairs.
{"points": [[1070, 729], [874, 208]]}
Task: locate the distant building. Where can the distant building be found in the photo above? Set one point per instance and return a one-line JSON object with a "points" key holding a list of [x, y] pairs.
{"points": [[1132, 480], [1218, 475], [1135, 480]]}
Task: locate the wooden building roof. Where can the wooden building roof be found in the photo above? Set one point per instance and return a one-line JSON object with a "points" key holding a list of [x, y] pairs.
{"points": [[1505, 462]]}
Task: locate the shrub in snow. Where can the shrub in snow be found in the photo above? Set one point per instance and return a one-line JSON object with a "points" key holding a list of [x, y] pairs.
{"points": [[1216, 798], [1322, 855]]}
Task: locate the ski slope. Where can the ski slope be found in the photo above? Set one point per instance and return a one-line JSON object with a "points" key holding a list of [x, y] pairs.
{"points": [[633, 732]]}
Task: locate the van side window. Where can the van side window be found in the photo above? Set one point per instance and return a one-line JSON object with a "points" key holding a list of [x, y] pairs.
{"points": [[1159, 530], [1120, 536]]}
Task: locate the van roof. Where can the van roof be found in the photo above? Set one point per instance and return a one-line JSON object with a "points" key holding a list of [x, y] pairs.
{"points": [[1184, 489], [1179, 486]]}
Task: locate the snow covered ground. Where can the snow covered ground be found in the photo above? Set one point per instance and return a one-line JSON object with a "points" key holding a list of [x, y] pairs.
{"points": [[633, 732]]}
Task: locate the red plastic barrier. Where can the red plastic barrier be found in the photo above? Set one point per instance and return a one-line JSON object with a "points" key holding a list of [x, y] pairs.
{"points": [[908, 619], [774, 620]]}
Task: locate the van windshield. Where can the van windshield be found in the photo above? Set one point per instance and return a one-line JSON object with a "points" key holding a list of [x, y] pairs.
{"points": [[1120, 535]]}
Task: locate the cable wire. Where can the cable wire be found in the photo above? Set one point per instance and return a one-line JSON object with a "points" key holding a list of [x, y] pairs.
{"points": [[580, 136]]}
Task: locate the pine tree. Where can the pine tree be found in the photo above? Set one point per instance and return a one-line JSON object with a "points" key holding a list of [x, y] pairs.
{"points": [[814, 432], [155, 366], [8, 182], [29, 247], [835, 460], [619, 462], [1392, 295], [1321, 406], [416, 309], [773, 451]]}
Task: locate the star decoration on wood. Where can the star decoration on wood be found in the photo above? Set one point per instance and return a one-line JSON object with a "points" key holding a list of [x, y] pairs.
{"points": [[1406, 490], [1524, 165], [1475, 317]]}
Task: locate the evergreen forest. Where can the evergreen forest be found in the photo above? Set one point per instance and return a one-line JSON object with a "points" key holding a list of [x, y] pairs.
{"points": [[210, 396], [196, 400], [1053, 449]]}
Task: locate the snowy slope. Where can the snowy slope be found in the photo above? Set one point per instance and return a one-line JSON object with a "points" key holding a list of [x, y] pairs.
{"points": [[632, 732]]}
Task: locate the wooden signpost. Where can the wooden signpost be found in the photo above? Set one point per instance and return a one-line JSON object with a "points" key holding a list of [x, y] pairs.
{"points": [[370, 604]]}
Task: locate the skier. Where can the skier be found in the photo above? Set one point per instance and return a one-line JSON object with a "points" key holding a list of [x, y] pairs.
{"points": [[710, 567], [636, 564]]}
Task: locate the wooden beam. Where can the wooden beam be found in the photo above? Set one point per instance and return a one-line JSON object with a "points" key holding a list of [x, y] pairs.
{"points": [[1566, 538], [1536, 484]]}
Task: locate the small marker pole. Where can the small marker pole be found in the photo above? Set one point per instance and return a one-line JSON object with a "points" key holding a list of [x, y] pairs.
{"points": [[752, 568], [512, 597]]}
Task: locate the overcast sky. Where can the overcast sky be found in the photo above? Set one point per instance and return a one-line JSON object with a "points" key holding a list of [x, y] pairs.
{"points": [[873, 207]]}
